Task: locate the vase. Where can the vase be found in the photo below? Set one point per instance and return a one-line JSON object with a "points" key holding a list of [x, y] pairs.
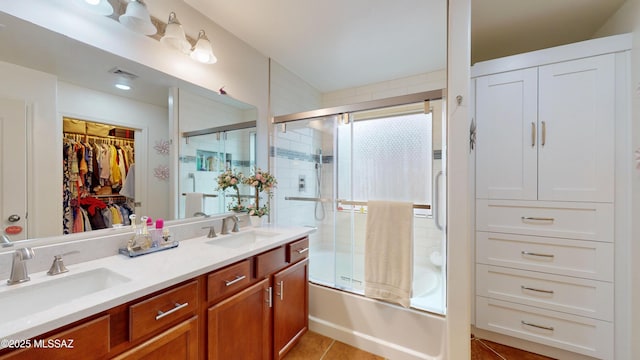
{"points": [[256, 221]]}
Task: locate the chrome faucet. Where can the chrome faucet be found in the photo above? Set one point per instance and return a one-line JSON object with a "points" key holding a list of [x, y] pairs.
{"points": [[19, 272], [200, 213], [212, 231], [225, 227]]}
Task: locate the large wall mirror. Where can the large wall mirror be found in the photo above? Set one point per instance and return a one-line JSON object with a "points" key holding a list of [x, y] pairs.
{"points": [[47, 76]]}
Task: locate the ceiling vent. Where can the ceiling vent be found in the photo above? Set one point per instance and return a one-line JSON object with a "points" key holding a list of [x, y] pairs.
{"points": [[117, 71]]}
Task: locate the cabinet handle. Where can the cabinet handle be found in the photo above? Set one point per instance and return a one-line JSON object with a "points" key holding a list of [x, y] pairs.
{"points": [[544, 133], [281, 292], [231, 282], [302, 251], [269, 296], [533, 218], [550, 328], [536, 290], [537, 254], [176, 308], [533, 134]]}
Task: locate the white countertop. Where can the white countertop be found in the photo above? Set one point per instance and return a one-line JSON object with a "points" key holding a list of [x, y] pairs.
{"points": [[148, 273]]}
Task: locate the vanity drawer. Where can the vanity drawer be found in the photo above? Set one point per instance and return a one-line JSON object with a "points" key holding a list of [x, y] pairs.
{"points": [[553, 292], [163, 310], [229, 280], [297, 250], [585, 221], [565, 331], [89, 340], [270, 262], [578, 258]]}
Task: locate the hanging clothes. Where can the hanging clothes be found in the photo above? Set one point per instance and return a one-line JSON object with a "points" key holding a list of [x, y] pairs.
{"points": [[94, 166]]}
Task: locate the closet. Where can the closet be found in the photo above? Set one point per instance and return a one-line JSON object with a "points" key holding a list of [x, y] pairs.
{"points": [[548, 136], [98, 175]]}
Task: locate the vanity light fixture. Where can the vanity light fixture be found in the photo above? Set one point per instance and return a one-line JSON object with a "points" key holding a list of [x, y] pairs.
{"points": [[137, 18], [100, 7], [202, 50], [174, 35]]}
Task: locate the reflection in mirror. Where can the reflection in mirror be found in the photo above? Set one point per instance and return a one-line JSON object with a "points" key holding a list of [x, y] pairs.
{"points": [[206, 154], [56, 76]]}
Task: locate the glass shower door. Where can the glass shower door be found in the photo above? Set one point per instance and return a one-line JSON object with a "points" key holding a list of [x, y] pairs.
{"points": [[303, 162]]}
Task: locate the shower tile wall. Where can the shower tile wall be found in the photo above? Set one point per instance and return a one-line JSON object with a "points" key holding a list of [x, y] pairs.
{"points": [[296, 156]]}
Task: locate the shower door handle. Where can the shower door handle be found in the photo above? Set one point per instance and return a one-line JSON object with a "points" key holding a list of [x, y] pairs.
{"points": [[436, 203]]}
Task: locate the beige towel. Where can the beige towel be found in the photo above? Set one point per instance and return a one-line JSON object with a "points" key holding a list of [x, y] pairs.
{"points": [[193, 203], [388, 260]]}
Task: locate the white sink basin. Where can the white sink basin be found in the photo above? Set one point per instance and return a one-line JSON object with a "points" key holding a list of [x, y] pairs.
{"points": [[242, 239], [29, 299]]}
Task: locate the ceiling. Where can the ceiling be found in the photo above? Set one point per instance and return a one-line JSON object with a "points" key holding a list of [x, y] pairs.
{"points": [[337, 44], [331, 44]]}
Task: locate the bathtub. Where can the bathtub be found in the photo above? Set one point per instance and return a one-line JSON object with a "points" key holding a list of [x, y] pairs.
{"points": [[381, 328]]}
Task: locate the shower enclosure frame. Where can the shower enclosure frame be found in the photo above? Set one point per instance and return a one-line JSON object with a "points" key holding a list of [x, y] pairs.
{"points": [[340, 113]]}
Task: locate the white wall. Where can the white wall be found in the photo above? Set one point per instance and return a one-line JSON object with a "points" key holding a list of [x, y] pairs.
{"points": [[38, 90], [396, 87], [153, 121]]}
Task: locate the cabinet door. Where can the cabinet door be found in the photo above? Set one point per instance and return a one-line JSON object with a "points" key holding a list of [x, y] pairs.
{"points": [[240, 326], [506, 118], [290, 307], [179, 342], [577, 119]]}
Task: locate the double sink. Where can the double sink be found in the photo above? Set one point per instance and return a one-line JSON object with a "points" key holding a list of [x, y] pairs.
{"points": [[27, 299]]}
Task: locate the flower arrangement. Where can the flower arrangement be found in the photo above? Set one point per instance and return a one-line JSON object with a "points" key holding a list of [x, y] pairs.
{"points": [[231, 179], [261, 181]]}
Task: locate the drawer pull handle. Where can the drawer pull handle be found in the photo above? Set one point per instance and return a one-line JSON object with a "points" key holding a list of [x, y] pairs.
{"points": [[527, 253], [238, 278], [302, 251], [269, 300], [536, 290], [550, 328], [176, 308], [533, 218]]}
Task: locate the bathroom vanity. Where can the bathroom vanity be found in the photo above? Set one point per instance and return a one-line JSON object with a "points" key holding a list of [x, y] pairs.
{"points": [[243, 295]]}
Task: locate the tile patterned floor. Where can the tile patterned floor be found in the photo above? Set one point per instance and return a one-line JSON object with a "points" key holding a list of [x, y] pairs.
{"points": [[314, 346]]}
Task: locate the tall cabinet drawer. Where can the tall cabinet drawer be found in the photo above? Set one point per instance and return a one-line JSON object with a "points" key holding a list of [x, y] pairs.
{"points": [[565, 331], [554, 292], [578, 258], [584, 221]]}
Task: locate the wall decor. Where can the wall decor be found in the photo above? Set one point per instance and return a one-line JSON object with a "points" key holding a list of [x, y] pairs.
{"points": [[161, 172]]}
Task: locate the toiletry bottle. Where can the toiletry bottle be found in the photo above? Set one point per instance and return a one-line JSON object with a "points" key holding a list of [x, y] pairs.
{"points": [[156, 236], [132, 243], [145, 238]]}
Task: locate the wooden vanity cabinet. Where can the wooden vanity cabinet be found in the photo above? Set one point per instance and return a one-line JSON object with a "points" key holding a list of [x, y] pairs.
{"points": [[290, 307], [179, 342], [87, 340], [256, 308], [239, 327], [269, 316]]}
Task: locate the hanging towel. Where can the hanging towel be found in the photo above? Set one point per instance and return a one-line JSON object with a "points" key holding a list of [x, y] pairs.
{"points": [[193, 203], [388, 260]]}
